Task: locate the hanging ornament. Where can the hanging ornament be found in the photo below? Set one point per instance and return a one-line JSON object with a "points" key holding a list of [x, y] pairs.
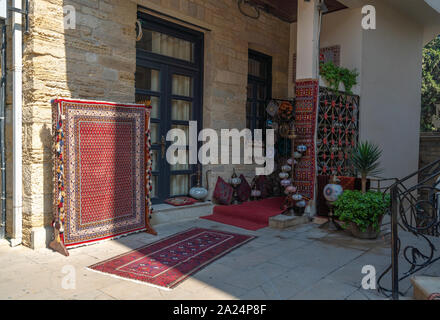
{"points": [[301, 148], [301, 204], [283, 175], [272, 108], [297, 197]]}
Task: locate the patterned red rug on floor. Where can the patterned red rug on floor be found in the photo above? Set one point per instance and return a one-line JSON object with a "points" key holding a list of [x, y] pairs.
{"points": [[251, 215], [168, 262]]}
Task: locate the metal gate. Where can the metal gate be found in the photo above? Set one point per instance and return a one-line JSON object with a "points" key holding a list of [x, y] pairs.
{"points": [[338, 131]]}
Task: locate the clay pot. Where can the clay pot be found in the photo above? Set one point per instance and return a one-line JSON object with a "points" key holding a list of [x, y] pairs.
{"points": [[370, 233]]}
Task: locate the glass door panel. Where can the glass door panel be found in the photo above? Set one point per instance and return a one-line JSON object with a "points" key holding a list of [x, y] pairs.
{"points": [[182, 85], [181, 110], [182, 92], [149, 88], [160, 43], [179, 185], [147, 79]]}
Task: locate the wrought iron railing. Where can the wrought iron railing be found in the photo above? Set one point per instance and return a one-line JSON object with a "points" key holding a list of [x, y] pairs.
{"points": [[414, 210]]}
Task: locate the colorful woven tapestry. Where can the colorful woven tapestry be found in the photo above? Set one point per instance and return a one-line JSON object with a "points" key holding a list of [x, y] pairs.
{"points": [[168, 262], [102, 168], [305, 124]]}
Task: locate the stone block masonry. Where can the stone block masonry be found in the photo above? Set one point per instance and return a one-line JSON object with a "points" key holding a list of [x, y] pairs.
{"points": [[429, 148], [97, 60]]}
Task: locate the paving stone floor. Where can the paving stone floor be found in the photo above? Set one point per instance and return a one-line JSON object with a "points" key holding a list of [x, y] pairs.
{"points": [[303, 262]]}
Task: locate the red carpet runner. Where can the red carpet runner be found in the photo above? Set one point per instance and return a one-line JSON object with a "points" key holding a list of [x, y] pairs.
{"points": [[168, 262], [252, 215]]}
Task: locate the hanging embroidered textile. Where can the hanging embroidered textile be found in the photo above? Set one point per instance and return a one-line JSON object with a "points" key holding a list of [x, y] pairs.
{"points": [[102, 171], [307, 92]]}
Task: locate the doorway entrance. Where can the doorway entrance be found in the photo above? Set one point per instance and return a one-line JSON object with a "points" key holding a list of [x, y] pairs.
{"points": [[169, 64]]}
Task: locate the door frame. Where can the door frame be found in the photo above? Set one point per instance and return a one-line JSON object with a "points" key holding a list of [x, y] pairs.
{"points": [[267, 60], [168, 66]]}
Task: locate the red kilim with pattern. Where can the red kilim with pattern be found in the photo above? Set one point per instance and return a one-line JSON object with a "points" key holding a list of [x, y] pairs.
{"points": [[104, 170], [168, 262], [307, 92]]}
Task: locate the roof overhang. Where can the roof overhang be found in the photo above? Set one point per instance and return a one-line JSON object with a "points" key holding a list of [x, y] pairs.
{"points": [[287, 10], [424, 12], [435, 4]]}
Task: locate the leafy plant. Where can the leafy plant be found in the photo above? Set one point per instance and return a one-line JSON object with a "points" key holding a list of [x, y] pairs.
{"points": [[362, 209], [365, 159], [331, 74], [349, 79], [334, 75], [430, 83]]}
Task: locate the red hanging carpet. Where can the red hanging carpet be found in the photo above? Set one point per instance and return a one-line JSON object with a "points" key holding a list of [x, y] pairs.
{"points": [[169, 261], [100, 169], [252, 215]]}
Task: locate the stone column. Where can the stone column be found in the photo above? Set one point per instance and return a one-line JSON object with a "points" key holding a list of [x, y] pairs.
{"points": [[307, 40], [307, 90]]}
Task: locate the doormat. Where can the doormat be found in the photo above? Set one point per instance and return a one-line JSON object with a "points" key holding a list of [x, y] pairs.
{"points": [[166, 263], [307, 92], [181, 201], [102, 169]]}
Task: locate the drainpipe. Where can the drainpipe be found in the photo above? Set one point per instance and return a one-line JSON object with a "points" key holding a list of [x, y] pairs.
{"points": [[17, 100], [2, 132]]}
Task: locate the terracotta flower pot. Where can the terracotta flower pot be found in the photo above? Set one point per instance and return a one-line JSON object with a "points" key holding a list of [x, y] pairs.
{"points": [[370, 233]]}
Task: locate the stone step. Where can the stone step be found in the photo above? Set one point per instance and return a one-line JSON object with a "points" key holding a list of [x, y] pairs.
{"points": [[282, 221], [165, 213], [425, 287]]}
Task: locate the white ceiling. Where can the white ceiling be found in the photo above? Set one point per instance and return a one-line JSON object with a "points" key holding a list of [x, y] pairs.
{"points": [[418, 10], [435, 4]]}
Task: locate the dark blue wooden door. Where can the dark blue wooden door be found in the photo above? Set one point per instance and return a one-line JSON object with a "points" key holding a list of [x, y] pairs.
{"points": [[169, 74]]}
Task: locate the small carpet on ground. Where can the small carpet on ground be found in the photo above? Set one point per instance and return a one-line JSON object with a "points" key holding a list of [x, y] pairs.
{"points": [[252, 215], [181, 201], [169, 261]]}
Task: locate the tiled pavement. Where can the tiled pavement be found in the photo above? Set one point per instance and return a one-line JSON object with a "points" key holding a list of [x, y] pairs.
{"points": [[303, 262]]}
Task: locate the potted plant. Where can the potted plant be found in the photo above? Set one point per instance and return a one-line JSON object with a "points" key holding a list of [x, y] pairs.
{"points": [[365, 159], [334, 75], [363, 212], [331, 74]]}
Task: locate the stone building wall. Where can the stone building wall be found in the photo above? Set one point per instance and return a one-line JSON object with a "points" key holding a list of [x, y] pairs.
{"points": [[97, 60], [429, 148]]}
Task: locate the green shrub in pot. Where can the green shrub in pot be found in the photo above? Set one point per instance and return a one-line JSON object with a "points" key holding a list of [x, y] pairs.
{"points": [[363, 210]]}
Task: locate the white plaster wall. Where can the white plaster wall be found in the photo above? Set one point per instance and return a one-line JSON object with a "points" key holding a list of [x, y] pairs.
{"points": [[389, 60], [391, 89]]}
